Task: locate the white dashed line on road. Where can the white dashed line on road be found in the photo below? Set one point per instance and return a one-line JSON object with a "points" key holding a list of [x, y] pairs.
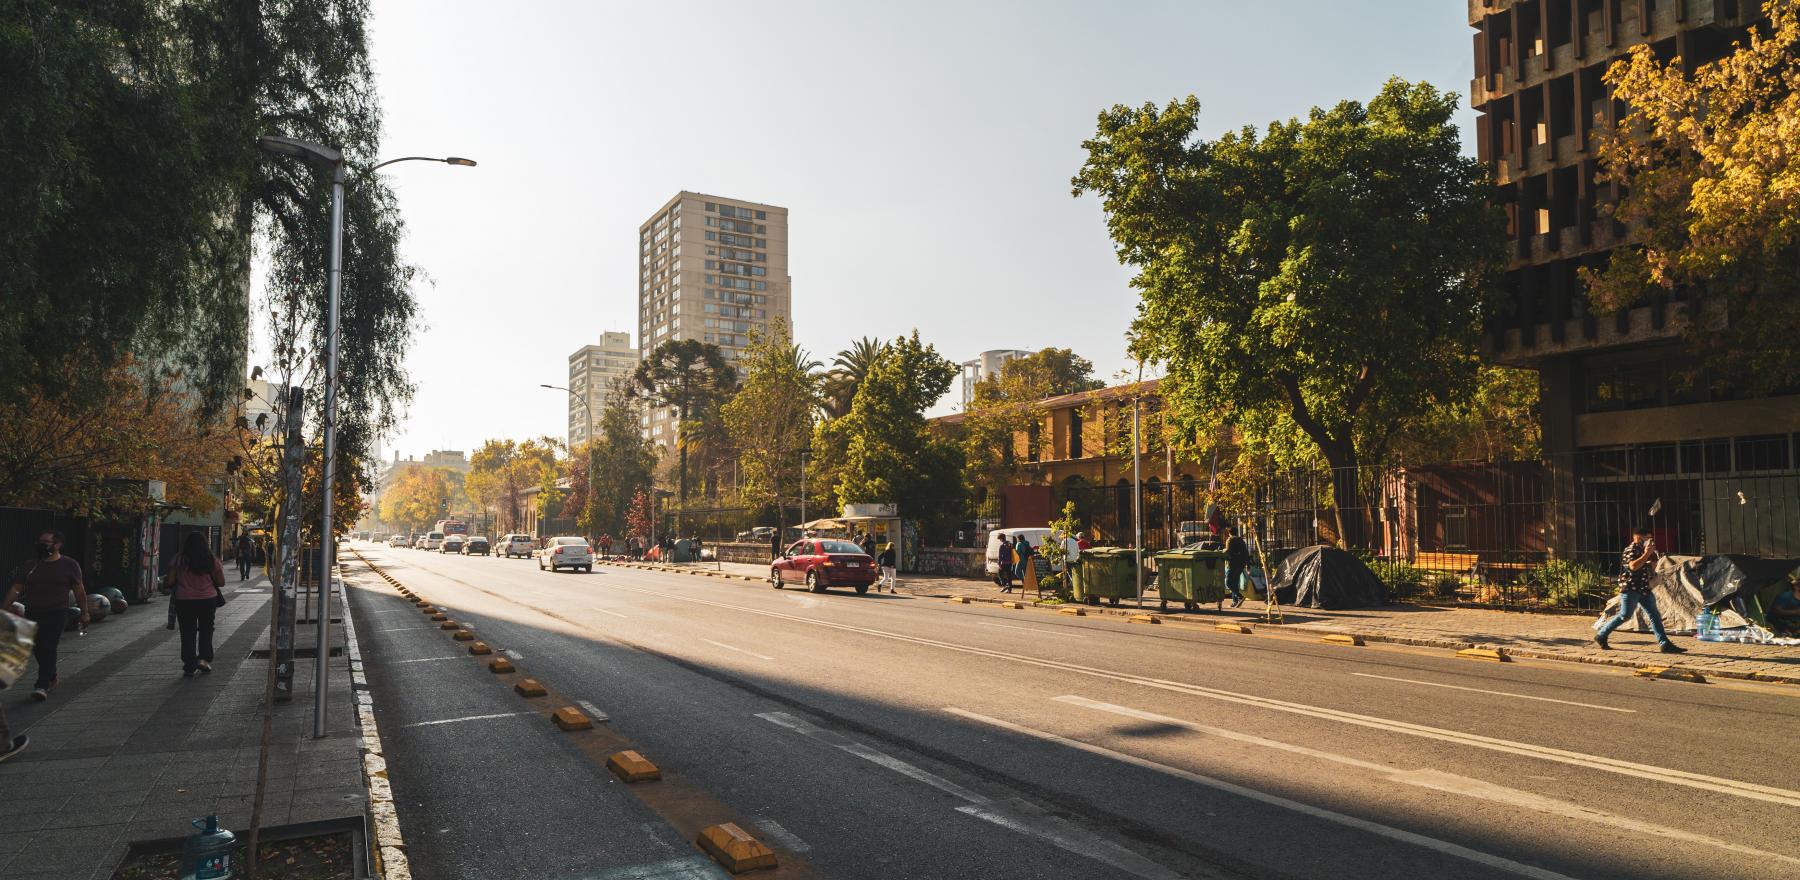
{"points": [[513, 654], [1033, 629], [420, 660], [466, 718], [604, 611], [593, 711], [788, 839], [737, 649], [1491, 693]]}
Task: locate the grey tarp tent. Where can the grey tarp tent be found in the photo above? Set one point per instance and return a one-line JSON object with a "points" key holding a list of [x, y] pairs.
{"points": [[1685, 584], [1328, 578]]}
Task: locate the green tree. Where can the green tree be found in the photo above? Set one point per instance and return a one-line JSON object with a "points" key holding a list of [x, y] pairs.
{"points": [[623, 464], [890, 453], [690, 377], [1326, 278], [1706, 156], [1007, 405], [771, 417], [847, 372]]}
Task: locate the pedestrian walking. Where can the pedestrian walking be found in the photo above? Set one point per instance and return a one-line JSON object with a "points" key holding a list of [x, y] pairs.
{"points": [[1237, 564], [867, 543], [1022, 552], [1638, 561], [1004, 565], [198, 581], [775, 545], [46, 585], [246, 549], [890, 575]]}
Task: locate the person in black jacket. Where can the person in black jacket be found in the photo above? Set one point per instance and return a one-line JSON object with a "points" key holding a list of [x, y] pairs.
{"points": [[1237, 564], [890, 575]]}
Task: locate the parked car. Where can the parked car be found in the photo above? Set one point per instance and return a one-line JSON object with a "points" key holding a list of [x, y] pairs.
{"points": [[433, 541], [822, 563], [397, 541], [566, 552], [452, 544], [517, 544], [1037, 537], [418, 542], [476, 546]]}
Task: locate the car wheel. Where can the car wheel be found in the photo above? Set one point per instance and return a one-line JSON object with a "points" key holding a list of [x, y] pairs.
{"points": [[813, 583], [587, 569], [861, 589], [775, 577]]}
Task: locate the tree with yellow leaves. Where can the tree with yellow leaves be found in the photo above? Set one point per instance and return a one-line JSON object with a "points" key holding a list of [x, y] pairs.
{"points": [[1708, 160]]}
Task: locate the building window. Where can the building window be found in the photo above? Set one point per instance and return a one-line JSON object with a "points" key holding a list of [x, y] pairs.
{"points": [[1075, 432], [1456, 528], [1766, 453]]}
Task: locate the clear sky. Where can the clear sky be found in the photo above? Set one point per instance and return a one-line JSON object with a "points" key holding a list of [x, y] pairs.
{"points": [[924, 150]]}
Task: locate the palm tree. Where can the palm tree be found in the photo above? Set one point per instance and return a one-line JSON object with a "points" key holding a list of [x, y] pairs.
{"points": [[848, 370]]}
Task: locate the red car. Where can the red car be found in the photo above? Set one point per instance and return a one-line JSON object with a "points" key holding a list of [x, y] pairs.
{"points": [[822, 563]]}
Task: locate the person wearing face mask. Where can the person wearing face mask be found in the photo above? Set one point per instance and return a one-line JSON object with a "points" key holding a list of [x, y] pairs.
{"points": [[46, 585]]}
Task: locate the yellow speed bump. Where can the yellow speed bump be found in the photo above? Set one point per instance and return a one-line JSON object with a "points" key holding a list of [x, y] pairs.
{"points": [[1491, 655], [632, 767], [1013, 605], [1343, 639], [736, 850], [498, 665], [480, 648], [529, 688], [958, 600], [1076, 610], [448, 624], [1232, 627], [463, 635], [571, 718], [1671, 673], [439, 615], [1145, 618]]}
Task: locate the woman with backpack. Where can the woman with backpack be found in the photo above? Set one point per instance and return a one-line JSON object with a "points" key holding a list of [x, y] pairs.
{"points": [[196, 579]]}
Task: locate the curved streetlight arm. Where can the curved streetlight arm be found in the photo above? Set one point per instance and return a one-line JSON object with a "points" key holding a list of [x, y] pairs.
{"points": [[447, 160]]}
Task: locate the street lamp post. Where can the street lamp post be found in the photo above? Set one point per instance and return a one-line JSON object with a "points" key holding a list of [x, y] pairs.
{"points": [[332, 159]]}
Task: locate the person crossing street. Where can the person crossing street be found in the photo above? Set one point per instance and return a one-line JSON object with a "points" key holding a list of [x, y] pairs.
{"points": [[1639, 560]]}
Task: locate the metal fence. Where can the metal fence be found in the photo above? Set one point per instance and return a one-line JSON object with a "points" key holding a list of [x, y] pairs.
{"points": [[1525, 533]]}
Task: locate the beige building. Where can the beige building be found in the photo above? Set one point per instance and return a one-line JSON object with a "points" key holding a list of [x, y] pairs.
{"points": [[712, 269], [592, 371]]}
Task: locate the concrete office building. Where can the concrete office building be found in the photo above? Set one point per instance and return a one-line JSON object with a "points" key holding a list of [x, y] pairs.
{"points": [[985, 365], [713, 269], [1621, 422], [592, 371]]}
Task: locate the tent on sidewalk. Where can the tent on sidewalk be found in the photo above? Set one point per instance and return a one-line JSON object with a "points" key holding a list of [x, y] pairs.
{"points": [[1685, 584], [1328, 578]]}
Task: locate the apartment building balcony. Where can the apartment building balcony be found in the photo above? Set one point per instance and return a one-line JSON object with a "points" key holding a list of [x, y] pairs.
{"points": [[1578, 334]]}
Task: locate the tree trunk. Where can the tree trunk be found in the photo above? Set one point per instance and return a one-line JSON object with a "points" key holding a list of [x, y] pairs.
{"points": [[1347, 507]]}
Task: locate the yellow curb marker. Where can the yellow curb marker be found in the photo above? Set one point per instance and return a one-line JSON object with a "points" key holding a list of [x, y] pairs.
{"points": [[1491, 655], [480, 648], [529, 688], [736, 850], [1013, 605], [1076, 610], [1232, 627], [448, 624], [1671, 673], [439, 615], [632, 767], [463, 635], [498, 665], [959, 600], [571, 718], [1343, 639], [1145, 618]]}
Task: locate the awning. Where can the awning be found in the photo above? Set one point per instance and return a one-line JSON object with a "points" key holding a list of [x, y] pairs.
{"points": [[822, 524]]}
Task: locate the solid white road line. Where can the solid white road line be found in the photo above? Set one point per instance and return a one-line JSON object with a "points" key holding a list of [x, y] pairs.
{"points": [[420, 660], [737, 649], [604, 611], [1058, 832], [1438, 780], [395, 629], [1493, 693], [788, 839], [1701, 781], [1431, 843], [1033, 629], [594, 712], [689, 868], [466, 718], [513, 654]]}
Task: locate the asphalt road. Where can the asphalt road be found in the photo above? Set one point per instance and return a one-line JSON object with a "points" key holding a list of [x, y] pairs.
{"points": [[880, 737]]}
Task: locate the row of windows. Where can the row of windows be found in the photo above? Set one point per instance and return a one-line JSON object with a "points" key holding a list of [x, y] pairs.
{"points": [[740, 213], [735, 311], [739, 326], [735, 269], [736, 283], [742, 299], [740, 256], [737, 226], [737, 240]]}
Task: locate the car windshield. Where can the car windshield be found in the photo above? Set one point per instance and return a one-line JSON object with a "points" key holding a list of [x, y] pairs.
{"points": [[570, 542], [838, 547]]}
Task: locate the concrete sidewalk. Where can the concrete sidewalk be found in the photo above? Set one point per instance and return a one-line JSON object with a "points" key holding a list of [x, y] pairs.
{"points": [[128, 751], [1548, 636]]}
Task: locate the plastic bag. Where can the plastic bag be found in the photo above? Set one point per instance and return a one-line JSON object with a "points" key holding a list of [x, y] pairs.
{"points": [[17, 635]]}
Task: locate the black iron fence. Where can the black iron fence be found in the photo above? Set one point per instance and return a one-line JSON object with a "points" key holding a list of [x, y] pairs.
{"points": [[1537, 533]]}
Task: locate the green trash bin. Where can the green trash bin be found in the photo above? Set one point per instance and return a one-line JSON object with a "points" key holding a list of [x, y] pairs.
{"points": [[1191, 576], [1106, 573]]}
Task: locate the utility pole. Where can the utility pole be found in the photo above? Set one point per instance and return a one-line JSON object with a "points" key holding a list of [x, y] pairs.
{"points": [[293, 457]]}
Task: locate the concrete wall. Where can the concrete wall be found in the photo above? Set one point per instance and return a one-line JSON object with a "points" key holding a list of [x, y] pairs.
{"points": [[1694, 421], [952, 562]]}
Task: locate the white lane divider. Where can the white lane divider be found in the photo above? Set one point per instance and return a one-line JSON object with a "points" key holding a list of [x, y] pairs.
{"points": [[737, 649], [1431, 843], [605, 611], [420, 660], [788, 839], [1701, 781], [465, 718], [594, 712], [687, 868], [1033, 823], [1456, 687], [1438, 780], [1033, 629], [513, 654]]}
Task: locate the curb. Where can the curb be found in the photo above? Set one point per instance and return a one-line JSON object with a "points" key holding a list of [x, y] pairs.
{"points": [[1367, 637], [390, 847]]}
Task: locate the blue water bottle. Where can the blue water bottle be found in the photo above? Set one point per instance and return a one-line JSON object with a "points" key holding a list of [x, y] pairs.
{"points": [[207, 854], [1706, 625]]}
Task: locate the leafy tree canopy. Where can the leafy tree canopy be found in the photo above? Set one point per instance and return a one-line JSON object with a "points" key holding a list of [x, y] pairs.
{"points": [[771, 416], [690, 377], [890, 454]]}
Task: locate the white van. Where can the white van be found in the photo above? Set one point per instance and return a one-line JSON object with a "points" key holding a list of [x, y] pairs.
{"points": [[433, 541], [1037, 537]]}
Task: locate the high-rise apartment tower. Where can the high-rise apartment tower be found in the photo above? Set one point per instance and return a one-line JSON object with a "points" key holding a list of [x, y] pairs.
{"points": [[592, 370]]}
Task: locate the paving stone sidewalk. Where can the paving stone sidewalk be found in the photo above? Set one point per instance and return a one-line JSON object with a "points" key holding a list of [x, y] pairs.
{"points": [[127, 750], [1549, 636]]}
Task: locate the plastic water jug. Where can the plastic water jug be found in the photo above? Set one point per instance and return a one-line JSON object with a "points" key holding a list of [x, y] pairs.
{"points": [[1706, 625], [207, 854]]}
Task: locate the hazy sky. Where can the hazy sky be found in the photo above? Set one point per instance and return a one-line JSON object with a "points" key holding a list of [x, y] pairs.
{"points": [[924, 150]]}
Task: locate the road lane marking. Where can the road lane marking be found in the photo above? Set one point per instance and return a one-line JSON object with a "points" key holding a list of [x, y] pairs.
{"points": [[593, 711], [1033, 629], [1703, 782], [1034, 824], [513, 654], [395, 629], [1494, 693], [788, 839], [466, 718], [1438, 780], [604, 611], [1431, 843], [737, 649], [420, 660], [689, 868]]}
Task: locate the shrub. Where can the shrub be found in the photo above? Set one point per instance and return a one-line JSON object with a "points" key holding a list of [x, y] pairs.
{"points": [[1564, 582]]}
